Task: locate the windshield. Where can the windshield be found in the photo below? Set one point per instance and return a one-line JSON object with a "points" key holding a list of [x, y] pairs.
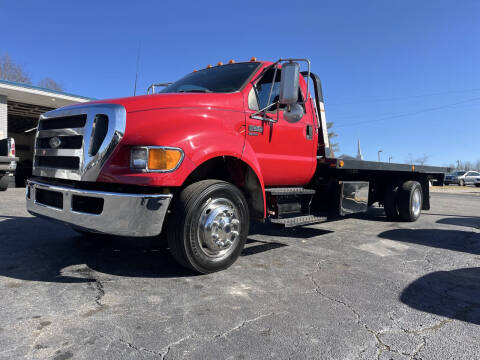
{"points": [[459, 173], [218, 79]]}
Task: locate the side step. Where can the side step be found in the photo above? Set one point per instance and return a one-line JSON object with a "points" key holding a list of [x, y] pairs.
{"points": [[299, 221], [289, 191]]}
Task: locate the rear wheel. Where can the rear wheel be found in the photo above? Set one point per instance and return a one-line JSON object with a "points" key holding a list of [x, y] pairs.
{"points": [[208, 226], [410, 201]]}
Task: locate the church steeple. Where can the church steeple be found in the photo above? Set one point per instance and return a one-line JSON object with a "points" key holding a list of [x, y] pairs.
{"points": [[359, 152]]}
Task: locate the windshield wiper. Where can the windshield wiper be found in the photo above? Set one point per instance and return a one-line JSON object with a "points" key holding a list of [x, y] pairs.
{"points": [[195, 91]]}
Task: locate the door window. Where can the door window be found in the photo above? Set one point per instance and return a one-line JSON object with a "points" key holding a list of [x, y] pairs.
{"points": [[258, 96]]}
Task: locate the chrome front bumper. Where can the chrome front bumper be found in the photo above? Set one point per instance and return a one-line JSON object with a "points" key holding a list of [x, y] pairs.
{"points": [[111, 213]]}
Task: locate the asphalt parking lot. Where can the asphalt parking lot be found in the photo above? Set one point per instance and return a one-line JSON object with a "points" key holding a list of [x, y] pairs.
{"points": [[362, 288]]}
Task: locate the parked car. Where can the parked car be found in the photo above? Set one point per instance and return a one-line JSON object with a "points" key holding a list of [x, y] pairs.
{"points": [[462, 178]]}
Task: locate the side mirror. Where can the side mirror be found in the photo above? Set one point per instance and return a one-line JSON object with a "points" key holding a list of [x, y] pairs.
{"points": [[289, 83]]}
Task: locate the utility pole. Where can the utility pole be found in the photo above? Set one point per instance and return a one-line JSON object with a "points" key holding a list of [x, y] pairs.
{"points": [[378, 153], [390, 159], [458, 164]]}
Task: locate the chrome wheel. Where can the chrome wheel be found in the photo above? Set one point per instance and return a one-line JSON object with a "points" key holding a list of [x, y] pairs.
{"points": [[416, 202], [218, 229]]}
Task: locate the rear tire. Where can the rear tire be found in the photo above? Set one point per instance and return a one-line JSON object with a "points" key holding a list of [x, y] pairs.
{"points": [[410, 201], [208, 226], [390, 203]]}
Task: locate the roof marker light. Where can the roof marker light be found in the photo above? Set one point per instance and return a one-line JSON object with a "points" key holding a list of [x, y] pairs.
{"points": [[209, 66], [253, 58], [231, 61]]}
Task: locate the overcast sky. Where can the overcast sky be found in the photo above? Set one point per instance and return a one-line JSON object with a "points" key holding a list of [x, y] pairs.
{"points": [[403, 76]]}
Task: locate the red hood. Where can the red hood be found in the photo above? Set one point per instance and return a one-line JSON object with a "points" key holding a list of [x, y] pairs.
{"points": [[232, 101]]}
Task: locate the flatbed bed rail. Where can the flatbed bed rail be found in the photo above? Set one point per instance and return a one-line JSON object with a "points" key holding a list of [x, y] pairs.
{"points": [[354, 164]]}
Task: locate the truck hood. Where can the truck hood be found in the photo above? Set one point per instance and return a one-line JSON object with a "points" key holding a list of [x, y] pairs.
{"points": [[231, 101]]}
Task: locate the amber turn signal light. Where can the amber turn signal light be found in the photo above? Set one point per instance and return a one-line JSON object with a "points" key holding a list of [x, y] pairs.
{"points": [[163, 159]]}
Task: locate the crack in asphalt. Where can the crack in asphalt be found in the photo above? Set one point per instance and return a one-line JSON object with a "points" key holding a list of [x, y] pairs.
{"points": [[167, 348], [241, 325], [419, 348], [141, 349], [381, 346], [100, 291], [162, 354]]}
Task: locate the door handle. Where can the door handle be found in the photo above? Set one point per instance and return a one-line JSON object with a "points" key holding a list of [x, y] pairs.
{"points": [[266, 118], [309, 132]]}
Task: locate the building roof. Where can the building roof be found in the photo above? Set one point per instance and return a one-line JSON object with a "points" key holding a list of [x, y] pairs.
{"points": [[30, 101], [35, 95]]}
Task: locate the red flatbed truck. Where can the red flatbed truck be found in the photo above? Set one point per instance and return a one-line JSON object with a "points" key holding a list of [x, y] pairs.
{"points": [[218, 148]]}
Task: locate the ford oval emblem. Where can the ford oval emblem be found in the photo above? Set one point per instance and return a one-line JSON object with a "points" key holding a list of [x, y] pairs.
{"points": [[54, 142]]}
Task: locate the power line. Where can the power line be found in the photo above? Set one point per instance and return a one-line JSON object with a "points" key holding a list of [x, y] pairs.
{"points": [[405, 97], [410, 113]]}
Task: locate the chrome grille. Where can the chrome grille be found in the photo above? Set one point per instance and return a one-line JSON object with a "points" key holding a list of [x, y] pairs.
{"points": [[74, 142]]}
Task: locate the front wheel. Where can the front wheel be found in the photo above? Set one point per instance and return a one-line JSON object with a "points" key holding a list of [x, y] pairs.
{"points": [[461, 182], [208, 226]]}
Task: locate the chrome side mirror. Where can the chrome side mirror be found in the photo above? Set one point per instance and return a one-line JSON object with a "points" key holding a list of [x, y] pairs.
{"points": [[289, 83], [293, 113]]}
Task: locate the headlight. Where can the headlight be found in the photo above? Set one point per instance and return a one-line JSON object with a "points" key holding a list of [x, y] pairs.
{"points": [[155, 158]]}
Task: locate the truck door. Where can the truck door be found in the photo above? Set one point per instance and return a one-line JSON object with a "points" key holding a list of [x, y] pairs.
{"points": [[286, 151]]}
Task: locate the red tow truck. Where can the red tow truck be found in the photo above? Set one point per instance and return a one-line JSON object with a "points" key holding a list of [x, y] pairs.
{"points": [[212, 151]]}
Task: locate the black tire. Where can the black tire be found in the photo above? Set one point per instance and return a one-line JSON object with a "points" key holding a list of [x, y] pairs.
{"points": [[390, 203], [4, 183], [461, 182], [191, 209], [477, 185], [409, 205]]}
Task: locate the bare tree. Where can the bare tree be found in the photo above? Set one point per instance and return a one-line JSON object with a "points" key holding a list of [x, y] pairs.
{"points": [[11, 71], [417, 161], [49, 83], [422, 159]]}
